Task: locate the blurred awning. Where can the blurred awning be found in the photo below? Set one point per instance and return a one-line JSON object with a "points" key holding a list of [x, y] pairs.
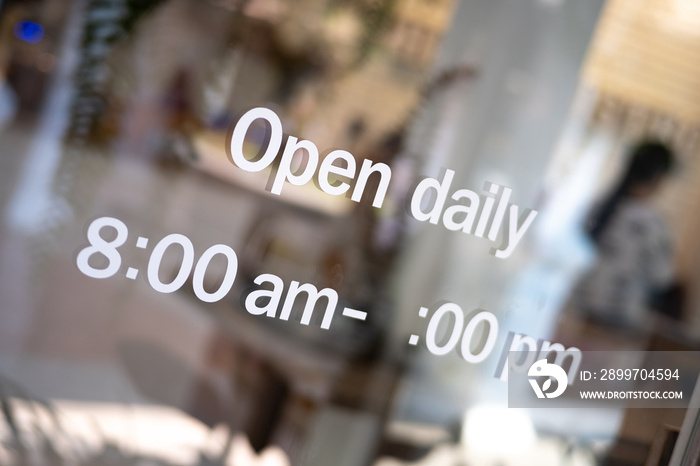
{"points": [[648, 53]]}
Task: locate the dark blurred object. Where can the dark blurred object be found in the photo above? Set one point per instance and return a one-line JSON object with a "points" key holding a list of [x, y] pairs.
{"points": [[662, 448], [403, 450], [28, 83], [670, 301], [247, 396], [649, 163], [628, 452]]}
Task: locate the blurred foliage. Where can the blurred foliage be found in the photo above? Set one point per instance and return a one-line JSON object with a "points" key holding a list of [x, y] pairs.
{"points": [[376, 19], [106, 22], [32, 441]]}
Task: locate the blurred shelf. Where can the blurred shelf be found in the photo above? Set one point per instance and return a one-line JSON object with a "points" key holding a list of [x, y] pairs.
{"points": [[212, 159]]}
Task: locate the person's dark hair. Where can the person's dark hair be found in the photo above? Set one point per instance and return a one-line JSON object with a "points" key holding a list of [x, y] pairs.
{"points": [[649, 161]]}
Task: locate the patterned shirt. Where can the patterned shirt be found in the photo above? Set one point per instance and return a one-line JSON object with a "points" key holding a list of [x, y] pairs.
{"points": [[634, 259]]}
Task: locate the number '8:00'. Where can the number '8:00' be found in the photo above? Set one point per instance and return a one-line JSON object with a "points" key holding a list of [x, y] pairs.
{"points": [[108, 249]]}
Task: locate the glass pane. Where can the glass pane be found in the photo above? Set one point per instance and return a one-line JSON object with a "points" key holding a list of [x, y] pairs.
{"points": [[335, 232]]}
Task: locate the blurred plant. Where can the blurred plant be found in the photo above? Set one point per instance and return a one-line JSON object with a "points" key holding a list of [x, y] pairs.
{"points": [[33, 442], [376, 16], [106, 22], [10, 391]]}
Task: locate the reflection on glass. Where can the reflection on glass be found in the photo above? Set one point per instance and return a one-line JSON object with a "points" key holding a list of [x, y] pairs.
{"points": [[161, 305]]}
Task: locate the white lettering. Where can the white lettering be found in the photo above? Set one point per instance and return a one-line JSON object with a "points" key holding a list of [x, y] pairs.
{"points": [[240, 131]]}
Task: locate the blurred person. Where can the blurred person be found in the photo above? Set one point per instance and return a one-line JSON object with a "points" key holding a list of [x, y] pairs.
{"points": [[634, 256]]}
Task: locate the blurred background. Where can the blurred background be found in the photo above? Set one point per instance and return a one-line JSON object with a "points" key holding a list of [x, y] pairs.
{"points": [[121, 108]]}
